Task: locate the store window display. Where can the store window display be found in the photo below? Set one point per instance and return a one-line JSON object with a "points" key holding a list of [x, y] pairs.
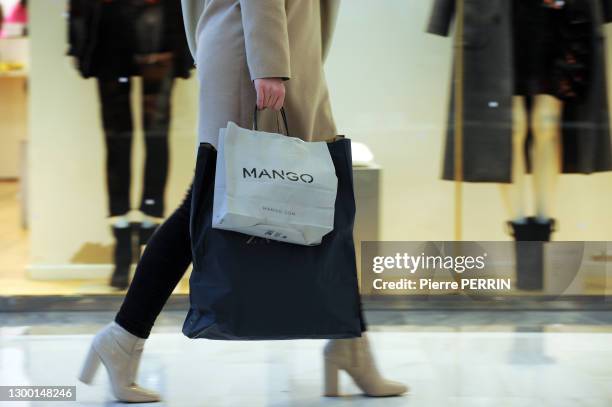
{"points": [[403, 193], [535, 100], [114, 41]]}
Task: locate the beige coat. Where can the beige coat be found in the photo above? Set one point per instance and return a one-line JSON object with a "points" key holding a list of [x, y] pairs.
{"points": [[237, 41]]}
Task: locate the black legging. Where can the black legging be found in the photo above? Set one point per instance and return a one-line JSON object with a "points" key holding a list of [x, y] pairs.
{"points": [[162, 265], [115, 94]]}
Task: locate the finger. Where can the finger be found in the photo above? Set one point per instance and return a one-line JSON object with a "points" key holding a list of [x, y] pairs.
{"points": [[278, 103], [281, 99], [268, 98], [274, 102], [282, 94]]}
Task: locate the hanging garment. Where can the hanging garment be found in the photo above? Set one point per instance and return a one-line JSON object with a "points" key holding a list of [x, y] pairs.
{"points": [[117, 121]]}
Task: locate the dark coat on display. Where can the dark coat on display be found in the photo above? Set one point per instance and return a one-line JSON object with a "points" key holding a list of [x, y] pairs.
{"points": [[98, 56], [489, 87]]}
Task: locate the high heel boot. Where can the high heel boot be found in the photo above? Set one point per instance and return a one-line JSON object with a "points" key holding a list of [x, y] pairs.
{"points": [[354, 356], [120, 353], [530, 237]]}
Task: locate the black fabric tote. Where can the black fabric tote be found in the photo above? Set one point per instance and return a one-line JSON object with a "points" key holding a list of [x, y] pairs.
{"points": [[246, 288]]}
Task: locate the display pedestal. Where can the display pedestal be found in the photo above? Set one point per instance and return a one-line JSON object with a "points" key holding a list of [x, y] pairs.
{"points": [[367, 196]]}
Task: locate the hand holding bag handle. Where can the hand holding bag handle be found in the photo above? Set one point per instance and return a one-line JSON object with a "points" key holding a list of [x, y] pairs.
{"points": [[282, 112]]}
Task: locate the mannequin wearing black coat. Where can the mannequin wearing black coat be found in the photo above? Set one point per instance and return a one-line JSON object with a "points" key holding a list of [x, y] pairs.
{"points": [[535, 81]]}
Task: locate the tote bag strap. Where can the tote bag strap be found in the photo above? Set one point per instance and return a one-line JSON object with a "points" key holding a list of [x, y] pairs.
{"points": [[284, 116]]}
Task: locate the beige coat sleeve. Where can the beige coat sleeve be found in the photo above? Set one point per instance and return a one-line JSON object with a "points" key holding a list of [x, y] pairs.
{"points": [[192, 10], [329, 16], [266, 38]]}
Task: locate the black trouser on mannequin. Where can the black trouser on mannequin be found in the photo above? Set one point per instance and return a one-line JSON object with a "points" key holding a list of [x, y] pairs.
{"points": [[118, 128], [162, 265]]}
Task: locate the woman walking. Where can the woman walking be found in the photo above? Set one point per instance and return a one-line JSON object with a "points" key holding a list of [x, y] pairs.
{"points": [[267, 53]]}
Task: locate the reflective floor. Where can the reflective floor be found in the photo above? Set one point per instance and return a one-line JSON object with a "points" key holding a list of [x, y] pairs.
{"points": [[448, 359]]}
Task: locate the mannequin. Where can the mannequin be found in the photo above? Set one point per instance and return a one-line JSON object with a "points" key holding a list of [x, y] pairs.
{"points": [[114, 41], [535, 101]]}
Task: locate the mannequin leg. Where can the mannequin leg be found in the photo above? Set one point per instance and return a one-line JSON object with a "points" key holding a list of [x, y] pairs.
{"points": [[546, 127], [118, 128], [117, 122], [531, 234], [158, 82], [513, 194]]}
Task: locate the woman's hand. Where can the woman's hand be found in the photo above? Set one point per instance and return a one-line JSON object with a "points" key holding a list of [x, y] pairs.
{"points": [[270, 93]]}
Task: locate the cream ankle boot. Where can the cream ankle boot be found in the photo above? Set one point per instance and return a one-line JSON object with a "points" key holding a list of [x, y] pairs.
{"points": [[120, 352], [355, 357]]}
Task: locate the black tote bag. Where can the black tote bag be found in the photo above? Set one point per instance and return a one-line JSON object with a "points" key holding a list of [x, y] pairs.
{"points": [[246, 288]]}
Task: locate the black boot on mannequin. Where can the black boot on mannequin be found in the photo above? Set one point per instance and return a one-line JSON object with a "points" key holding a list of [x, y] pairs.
{"points": [[122, 257], [529, 251]]}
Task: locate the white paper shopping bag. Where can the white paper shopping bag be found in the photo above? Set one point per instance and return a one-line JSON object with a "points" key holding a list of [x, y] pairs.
{"points": [[273, 186]]}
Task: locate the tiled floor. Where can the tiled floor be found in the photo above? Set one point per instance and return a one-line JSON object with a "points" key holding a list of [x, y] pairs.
{"points": [[530, 360]]}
